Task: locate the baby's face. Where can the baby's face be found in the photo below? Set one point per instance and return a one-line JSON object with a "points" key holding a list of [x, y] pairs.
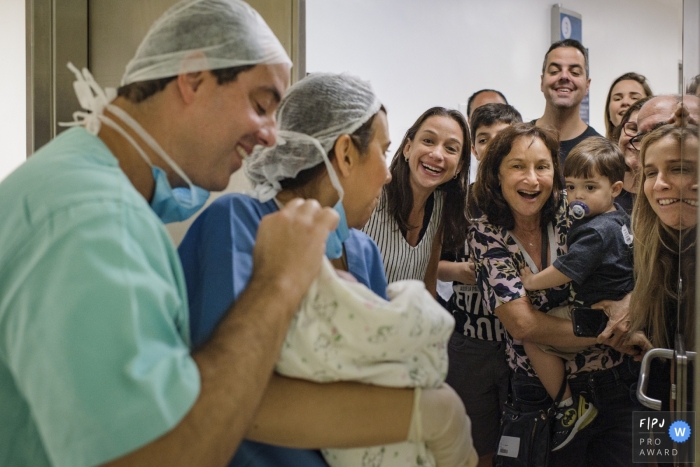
{"points": [[596, 192]]}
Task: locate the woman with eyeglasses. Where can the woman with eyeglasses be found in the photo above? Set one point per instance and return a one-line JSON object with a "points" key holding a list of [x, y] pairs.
{"points": [[625, 134], [624, 91]]}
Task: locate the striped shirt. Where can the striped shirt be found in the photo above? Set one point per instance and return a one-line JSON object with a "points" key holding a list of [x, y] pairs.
{"points": [[401, 260]]}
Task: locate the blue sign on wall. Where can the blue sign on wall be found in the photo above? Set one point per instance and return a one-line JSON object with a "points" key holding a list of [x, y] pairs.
{"points": [[570, 27], [567, 24]]}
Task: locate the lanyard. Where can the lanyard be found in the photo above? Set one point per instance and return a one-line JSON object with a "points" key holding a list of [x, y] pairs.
{"points": [[547, 239]]}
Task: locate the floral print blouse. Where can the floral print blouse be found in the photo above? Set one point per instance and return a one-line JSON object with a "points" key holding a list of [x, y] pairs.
{"points": [[498, 261]]}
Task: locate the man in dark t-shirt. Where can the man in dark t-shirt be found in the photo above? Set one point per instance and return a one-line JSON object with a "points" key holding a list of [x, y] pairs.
{"points": [[564, 83]]}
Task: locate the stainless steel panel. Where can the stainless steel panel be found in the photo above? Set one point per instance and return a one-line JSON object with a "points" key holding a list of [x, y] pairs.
{"points": [[40, 114], [56, 34], [298, 40], [70, 26], [116, 30]]}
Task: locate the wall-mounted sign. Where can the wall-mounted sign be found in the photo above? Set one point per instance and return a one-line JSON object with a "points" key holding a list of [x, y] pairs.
{"points": [[567, 24]]}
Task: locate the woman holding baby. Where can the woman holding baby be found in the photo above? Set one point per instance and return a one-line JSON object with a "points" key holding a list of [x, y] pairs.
{"points": [[333, 135], [525, 224]]}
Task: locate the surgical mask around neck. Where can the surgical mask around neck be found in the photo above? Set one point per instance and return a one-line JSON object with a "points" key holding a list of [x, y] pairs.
{"points": [[334, 244], [169, 204]]}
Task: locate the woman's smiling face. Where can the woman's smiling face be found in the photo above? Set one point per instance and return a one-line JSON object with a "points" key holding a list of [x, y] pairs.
{"points": [[434, 153], [671, 181], [526, 176]]}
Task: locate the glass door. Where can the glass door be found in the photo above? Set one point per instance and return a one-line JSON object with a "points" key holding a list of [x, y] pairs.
{"points": [[685, 383]]}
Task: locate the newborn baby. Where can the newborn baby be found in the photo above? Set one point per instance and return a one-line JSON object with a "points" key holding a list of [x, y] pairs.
{"points": [[345, 332]]}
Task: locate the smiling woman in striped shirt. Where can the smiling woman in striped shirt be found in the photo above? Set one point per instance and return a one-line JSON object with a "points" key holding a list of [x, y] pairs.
{"points": [[422, 210]]}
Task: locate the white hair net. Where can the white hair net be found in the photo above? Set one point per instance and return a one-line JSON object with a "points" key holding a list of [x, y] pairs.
{"points": [[313, 114], [197, 35]]}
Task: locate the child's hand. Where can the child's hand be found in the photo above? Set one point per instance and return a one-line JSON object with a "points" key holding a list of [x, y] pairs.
{"points": [[526, 278]]}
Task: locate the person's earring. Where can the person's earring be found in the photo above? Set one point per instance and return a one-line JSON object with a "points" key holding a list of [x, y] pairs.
{"points": [[455, 176]]}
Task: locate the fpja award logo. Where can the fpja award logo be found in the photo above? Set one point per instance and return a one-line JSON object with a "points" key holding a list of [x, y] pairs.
{"points": [[664, 437]]}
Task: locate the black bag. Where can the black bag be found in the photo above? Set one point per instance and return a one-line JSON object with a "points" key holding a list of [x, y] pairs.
{"points": [[525, 437]]}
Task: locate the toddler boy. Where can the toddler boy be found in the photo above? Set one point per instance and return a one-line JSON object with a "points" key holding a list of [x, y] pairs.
{"points": [[599, 264]]}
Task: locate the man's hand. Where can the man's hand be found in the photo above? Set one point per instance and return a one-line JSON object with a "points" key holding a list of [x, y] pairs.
{"points": [[290, 244], [638, 341], [682, 117]]}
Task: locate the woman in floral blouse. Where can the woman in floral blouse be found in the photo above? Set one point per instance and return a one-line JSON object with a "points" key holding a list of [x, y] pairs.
{"points": [[525, 223]]}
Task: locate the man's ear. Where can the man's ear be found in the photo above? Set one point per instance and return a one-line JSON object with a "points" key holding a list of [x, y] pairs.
{"points": [[346, 154], [616, 189], [188, 84]]}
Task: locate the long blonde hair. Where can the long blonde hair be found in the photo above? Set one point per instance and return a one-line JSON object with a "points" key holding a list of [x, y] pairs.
{"points": [[657, 251]]}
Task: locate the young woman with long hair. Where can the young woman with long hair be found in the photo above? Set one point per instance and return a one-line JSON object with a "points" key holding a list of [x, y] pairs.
{"points": [[423, 209]]}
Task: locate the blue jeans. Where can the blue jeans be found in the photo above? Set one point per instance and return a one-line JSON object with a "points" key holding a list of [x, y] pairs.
{"points": [[607, 441]]}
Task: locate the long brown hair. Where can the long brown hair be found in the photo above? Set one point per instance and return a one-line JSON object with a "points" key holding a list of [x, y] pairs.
{"points": [[641, 79], [399, 193], [657, 251], [487, 194]]}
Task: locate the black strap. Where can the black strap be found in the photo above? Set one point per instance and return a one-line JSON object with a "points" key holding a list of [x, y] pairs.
{"points": [[562, 389], [557, 400], [545, 248]]}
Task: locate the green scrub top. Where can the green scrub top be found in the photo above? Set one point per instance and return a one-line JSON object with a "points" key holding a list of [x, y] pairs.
{"points": [[94, 332]]}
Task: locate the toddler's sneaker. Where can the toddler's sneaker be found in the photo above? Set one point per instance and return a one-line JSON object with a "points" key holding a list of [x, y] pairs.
{"points": [[570, 420]]}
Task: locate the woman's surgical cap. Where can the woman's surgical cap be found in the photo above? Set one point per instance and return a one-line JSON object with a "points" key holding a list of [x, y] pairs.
{"points": [[313, 114], [198, 35]]}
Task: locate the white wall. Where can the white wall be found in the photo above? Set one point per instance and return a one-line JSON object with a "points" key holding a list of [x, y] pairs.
{"points": [[691, 39], [421, 53], [13, 104]]}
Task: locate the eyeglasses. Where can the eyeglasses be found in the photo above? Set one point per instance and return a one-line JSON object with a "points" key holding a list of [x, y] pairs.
{"points": [[636, 140], [630, 129]]}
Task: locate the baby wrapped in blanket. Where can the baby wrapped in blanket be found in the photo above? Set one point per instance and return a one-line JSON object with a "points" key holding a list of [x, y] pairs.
{"points": [[345, 332]]}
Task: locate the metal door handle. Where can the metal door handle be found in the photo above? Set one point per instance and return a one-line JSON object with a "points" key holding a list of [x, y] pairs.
{"points": [[645, 371]]}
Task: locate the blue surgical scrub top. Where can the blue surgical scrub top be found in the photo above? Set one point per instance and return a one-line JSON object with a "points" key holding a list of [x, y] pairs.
{"points": [[94, 333], [217, 260]]}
